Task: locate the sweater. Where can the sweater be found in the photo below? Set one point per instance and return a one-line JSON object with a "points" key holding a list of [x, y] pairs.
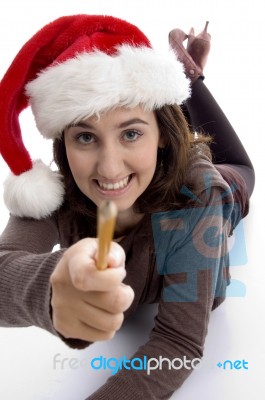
{"points": [[178, 258]]}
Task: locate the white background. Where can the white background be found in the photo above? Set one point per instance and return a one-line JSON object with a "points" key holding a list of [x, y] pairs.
{"points": [[235, 75]]}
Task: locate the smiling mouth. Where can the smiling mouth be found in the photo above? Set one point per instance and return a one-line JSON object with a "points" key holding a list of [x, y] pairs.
{"points": [[115, 186]]}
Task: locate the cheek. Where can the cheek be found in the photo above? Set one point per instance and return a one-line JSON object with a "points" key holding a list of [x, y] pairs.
{"points": [[78, 163], [146, 159]]}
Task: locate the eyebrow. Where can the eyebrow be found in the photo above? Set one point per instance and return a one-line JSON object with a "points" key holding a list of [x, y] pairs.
{"points": [[124, 124], [131, 122]]}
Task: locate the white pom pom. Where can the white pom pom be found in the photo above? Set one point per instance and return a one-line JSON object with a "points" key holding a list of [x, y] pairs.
{"points": [[35, 193]]}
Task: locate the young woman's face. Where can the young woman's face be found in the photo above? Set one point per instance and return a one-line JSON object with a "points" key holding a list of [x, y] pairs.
{"points": [[114, 157]]}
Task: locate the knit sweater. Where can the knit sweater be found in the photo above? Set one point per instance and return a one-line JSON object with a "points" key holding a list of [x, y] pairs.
{"points": [[178, 259]]}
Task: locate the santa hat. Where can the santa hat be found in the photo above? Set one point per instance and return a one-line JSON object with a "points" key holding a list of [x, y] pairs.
{"points": [[75, 67]]}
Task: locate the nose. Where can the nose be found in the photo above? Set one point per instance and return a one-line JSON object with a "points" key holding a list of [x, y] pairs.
{"points": [[110, 163]]}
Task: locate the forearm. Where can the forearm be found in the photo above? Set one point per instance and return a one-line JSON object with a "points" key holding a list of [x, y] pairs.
{"points": [[27, 261], [26, 292], [25, 288]]}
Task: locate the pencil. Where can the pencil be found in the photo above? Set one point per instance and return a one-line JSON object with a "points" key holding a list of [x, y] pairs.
{"points": [[107, 213]]}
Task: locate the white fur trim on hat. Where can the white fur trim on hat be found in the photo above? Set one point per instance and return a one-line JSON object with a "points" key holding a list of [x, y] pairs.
{"points": [[35, 193], [92, 83]]}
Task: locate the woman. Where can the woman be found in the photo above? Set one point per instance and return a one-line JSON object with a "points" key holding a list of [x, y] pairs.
{"points": [[112, 106]]}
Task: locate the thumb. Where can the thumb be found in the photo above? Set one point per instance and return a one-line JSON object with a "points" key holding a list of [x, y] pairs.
{"points": [[116, 257]]}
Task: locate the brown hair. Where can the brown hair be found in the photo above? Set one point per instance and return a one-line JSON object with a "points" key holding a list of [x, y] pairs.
{"points": [[163, 193]]}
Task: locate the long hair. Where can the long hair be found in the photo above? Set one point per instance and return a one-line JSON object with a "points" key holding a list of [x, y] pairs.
{"points": [[163, 192]]}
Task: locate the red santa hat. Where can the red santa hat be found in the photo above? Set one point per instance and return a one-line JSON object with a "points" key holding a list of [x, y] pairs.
{"points": [[75, 67]]}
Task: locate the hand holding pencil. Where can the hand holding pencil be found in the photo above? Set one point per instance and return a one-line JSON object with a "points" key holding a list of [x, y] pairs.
{"points": [[87, 303]]}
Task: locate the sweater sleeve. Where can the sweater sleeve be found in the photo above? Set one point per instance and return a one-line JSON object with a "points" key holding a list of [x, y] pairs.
{"points": [[191, 254], [27, 260], [26, 263]]}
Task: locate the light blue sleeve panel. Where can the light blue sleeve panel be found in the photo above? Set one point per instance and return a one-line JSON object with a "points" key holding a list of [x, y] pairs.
{"points": [[191, 240]]}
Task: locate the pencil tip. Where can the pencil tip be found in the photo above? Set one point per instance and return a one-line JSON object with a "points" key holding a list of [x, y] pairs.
{"points": [[108, 209]]}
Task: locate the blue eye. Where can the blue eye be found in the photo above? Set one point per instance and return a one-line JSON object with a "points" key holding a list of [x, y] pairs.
{"points": [[131, 135], [85, 138]]}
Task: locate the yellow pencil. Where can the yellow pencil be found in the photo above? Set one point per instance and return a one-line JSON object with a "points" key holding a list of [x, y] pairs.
{"points": [[107, 213]]}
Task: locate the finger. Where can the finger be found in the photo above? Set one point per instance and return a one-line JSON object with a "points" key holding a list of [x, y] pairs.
{"points": [[116, 257], [67, 319], [99, 319], [94, 335], [85, 276], [116, 301], [77, 329]]}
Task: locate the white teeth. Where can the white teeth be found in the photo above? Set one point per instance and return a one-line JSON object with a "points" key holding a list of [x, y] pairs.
{"points": [[114, 186]]}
